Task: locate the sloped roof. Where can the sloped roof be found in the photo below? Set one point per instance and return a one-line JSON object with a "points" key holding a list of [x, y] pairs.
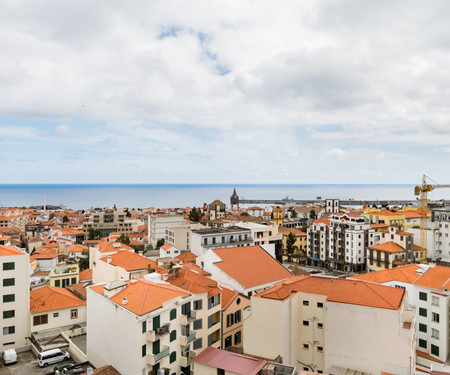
{"points": [[186, 256], [9, 250], [437, 277], [143, 295], [194, 282], [130, 261], [77, 248], [389, 247], [50, 298], [228, 296], [405, 274], [347, 291], [229, 361], [110, 247], [46, 254], [85, 274], [250, 265]]}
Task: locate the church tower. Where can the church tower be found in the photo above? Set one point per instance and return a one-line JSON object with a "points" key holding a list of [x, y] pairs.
{"points": [[234, 200], [278, 216]]}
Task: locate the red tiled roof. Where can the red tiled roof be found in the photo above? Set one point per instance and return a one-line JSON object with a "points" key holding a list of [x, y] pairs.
{"points": [[9, 250], [389, 247], [229, 361], [338, 290], [406, 274], [77, 248], [85, 274], [193, 282], [228, 296], [110, 247], [46, 254], [143, 295], [437, 277], [50, 298], [186, 256], [250, 265], [130, 261]]}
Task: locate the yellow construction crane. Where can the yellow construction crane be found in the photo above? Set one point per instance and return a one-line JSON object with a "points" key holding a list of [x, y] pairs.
{"points": [[423, 210]]}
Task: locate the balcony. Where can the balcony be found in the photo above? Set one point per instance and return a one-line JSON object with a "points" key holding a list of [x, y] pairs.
{"points": [[185, 340], [153, 359], [186, 357], [186, 319]]}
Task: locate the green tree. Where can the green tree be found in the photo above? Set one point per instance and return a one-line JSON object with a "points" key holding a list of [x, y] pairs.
{"points": [[312, 214], [195, 215], [159, 243], [83, 263], [127, 213], [149, 247], [94, 234], [65, 219], [293, 213], [290, 245], [124, 239]]}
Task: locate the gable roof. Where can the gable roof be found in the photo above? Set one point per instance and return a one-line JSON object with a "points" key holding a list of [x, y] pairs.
{"points": [[347, 291], [143, 296], [46, 254], [388, 247], [186, 256], [250, 265], [77, 248], [193, 282], [437, 277], [228, 296], [405, 274], [9, 250], [130, 261], [50, 298], [110, 247], [85, 274], [229, 361]]}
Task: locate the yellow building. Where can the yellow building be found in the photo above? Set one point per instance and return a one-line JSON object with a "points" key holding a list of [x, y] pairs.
{"points": [[64, 275], [278, 216], [383, 216], [300, 243]]}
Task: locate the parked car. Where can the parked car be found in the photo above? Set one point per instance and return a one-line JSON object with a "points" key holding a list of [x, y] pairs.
{"points": [[48, 357], [63, 366], [9, 356]]}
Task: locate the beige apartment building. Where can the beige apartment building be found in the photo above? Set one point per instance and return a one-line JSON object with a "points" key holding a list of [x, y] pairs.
{"points": [[180, 236], [108, 221], [330, 325]]}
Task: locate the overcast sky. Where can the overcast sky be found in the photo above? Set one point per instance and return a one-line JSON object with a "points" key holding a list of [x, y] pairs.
{"points": [[224, 91]]}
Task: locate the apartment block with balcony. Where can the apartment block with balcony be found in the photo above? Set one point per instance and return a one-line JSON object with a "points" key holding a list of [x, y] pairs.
{"points": [[158, 223], [15, 297], [108, 221], [140, 326], [340, 242], [331, 325], [180, 236]]}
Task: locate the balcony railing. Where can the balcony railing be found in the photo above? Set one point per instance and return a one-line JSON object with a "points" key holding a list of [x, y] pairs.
{"points": [[185, 340], [186, 319], [153, 359]]}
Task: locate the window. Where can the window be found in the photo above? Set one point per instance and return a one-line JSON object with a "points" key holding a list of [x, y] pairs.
{"points": [[198, 304], [213, 301], [144, 350], [74, 314], [58, 283], [198, 324], [228, 341], [423, 343], [230, 318], [40, 319], [8, 314], [435, 301], [320, 304], [144, 326], [9, 282], [320, 349], [220, 371], [422, 311], [55, 315], [305, 323], [9, 298], [173, 314], [186, 309], [9, 330], [8, 266], [319, 325], [422, 327], [73, 280], [422, 296], [435, 350], [305, 346], [155, 347], [434, 333], [237, 316], [237, 338], [173, 335], [197, 344], [435, 317], [173, 357], [156, 322], [305, 303]]}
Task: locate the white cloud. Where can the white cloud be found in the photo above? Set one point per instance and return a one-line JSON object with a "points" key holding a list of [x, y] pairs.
{"points": [[63, 130], [334, 152]]}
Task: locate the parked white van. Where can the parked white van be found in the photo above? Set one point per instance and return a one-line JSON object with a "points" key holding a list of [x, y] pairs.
{"points": [[9, 356], [52, 356]]}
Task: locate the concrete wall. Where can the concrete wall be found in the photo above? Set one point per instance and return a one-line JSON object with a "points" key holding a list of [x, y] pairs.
{"points": [[62, 320]]}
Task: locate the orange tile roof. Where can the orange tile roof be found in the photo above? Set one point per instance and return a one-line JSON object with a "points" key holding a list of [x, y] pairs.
{"points": [[186, 256], [406, 274], [85, 274], [382, 225], [130, 261], [228, 296], [50, 298], [435, 278], [193, 282], [9, 250], [322, 221], [411, 214], [389, 247], [166, 246], [401, 233], [77, 248], [110, 247], [250, 265], [144, 296], [46, 254], [195, 268], [338, 290]]}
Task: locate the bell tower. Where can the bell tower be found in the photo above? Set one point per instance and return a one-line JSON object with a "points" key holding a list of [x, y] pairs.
{"points": [[234, 200]]}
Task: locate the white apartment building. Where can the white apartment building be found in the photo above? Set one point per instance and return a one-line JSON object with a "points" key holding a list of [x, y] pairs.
{"points": [[331, 325], [214, 238], [429, 290], [340, 242], [158, 223], [15, 294], [140, 325]]}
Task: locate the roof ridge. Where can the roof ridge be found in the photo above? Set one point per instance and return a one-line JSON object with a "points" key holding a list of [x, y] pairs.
{"points": [[384, 299], [143, 298]]}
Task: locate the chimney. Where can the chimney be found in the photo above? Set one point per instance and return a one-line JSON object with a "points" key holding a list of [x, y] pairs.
{"points": [[124, 301], [108, 259], [165, 277]]}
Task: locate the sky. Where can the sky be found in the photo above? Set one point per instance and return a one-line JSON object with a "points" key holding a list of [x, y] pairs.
{"points": [[241, 91]]}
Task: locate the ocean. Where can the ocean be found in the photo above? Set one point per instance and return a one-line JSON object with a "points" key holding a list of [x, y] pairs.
{"points": [[159, 195]]}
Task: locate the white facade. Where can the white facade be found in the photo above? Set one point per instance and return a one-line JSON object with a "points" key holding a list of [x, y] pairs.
{"points": [[59, 318], [15, 294], [157, 225]]}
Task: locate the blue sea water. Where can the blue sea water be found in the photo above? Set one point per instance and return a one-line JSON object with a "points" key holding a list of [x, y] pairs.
{"points": [[134, 196]]}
